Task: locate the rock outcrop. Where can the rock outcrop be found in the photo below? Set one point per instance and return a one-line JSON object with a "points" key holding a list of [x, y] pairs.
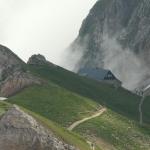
{"points": [[115, 35], [20, 131], [16, 82], [38, 60], [13, 73], [9, 63]]}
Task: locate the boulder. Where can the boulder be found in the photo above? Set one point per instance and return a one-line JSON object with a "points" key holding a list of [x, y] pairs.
{"points": [[20, 131]]}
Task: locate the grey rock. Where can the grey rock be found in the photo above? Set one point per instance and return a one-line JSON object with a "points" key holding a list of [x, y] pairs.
{"points": [[39, 60], [16, 82], [9, 63], [20, 131], [13, 73], [117, 35]]}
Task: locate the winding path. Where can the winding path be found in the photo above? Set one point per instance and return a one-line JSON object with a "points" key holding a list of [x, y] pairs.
{"points": [[96, 114]]}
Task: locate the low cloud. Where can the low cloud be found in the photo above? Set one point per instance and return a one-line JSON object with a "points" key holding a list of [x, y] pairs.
{"points": [[73, 54], [127, 66]]}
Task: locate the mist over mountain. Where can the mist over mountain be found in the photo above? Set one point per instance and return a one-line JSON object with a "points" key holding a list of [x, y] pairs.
{"points": [[115, 35], [44, 106]]}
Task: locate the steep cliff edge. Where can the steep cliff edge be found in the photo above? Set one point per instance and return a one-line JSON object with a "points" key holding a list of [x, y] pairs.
{"points": [[115, 35], [9, 63], [19, 131], [13, 73]]}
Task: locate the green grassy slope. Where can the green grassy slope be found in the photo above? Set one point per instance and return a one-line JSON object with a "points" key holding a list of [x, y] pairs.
{"points": [[55, 103], [3, 107], [119, 131], [68, 137], [119, 100], [68, 97], [146, 110]]}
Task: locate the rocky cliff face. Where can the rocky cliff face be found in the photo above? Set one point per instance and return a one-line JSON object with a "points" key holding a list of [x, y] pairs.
{"points": [[16, 82], [19, 131], [38, 60], [9, 63], [116, 36], [13, 73]]}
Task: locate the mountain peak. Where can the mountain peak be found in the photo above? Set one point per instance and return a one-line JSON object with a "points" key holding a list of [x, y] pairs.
{"points": [[115, 35], [13, 73], [38, 60], [7, 57]]}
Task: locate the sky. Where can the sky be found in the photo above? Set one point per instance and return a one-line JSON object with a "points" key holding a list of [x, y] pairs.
{"points": [[41, 26]]}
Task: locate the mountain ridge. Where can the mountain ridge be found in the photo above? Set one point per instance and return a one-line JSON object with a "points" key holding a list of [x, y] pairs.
{"points": [[113, 32], [66, 97]]}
